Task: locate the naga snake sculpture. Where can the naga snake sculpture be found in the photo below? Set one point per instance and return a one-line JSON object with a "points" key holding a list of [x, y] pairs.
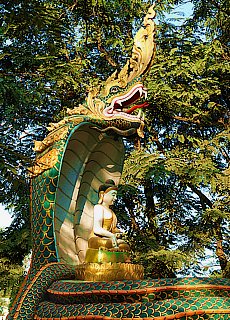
{"points": [[81, 152]]}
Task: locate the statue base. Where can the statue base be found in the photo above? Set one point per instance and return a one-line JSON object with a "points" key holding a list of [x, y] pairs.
{"points": [[109, 271]]}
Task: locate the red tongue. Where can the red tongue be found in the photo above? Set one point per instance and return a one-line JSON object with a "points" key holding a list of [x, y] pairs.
{"points": [[143, 105]]}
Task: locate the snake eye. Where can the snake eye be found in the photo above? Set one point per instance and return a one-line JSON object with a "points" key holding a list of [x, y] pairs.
{"points": [[114, 89]]}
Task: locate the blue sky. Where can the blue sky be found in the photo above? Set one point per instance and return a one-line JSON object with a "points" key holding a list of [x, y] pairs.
{"points": [[5, 217], [181, 11]]}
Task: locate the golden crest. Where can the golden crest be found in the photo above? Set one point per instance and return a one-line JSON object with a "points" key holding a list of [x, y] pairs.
{"points": [[54, 136], [142, 55], [44, 163]]}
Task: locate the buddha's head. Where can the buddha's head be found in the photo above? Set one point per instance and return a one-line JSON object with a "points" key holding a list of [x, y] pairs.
{"points": [[107, 193]]}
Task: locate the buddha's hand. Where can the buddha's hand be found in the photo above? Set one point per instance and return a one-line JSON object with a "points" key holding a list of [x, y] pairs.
{"points": [[116, 230]]}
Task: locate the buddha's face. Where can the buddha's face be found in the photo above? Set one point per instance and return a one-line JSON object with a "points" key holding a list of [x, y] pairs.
{"points": [[110, 197]]}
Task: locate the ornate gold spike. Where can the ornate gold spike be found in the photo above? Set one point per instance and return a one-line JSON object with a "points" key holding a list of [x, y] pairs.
{"points": [[44, 163], [142, 55], [116, 80], [140, 131], [54, 136], [94, 104], [39, 146], [81, 110]]}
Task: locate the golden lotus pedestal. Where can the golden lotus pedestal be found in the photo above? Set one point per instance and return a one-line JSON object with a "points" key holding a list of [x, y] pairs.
{"points": [[109, 271], [103, 265]]}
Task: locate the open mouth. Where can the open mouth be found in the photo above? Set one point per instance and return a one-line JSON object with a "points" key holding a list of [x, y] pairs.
{"points": [[123, 105]]}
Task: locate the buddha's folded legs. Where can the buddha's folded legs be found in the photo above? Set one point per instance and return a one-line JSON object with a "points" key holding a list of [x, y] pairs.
{"points": [[100, 242]]}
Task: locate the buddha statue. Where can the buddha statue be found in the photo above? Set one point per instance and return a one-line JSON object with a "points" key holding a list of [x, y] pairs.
{"points": [[105, 234], [108, 257]]}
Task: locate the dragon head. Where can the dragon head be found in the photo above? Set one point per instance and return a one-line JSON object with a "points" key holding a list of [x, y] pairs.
{"points": [[113, 104], [115, 101]]}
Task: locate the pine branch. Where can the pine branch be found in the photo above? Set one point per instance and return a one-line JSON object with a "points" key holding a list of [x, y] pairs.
{"points": [[185, 119], [203, 199], [103, 50], [156, 140], [198, 121], [221, 255], [134, 224], [225, 154]]}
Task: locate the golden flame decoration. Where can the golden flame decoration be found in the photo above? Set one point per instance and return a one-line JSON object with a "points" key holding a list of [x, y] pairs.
{"points": [[143, 53]]}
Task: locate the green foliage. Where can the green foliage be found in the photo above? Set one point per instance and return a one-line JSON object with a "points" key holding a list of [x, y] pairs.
{"points": [[11, 276], [162, 263], [3, 306], [181, 170], [212, 17], [174, 198]]}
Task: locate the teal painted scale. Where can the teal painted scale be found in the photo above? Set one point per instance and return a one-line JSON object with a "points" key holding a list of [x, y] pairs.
{"points": [[62, 203], [63, 196], [163, 299], [62, 200]]}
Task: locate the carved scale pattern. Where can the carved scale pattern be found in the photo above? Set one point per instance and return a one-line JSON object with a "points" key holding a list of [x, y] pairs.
{"points": [[187, 298], [49, 298], [34, 290]]}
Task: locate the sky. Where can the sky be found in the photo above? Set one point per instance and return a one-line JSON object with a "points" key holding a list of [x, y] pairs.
{"points": [[182, 12], [5, 217]]}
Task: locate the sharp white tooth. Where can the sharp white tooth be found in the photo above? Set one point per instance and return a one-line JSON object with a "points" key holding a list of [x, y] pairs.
{"points": [[140, 90], [120, 103], [146, 94], [139, 114]]}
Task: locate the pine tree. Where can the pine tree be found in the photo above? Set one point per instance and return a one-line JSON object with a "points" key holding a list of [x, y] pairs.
{"points": [[181, 171], [174, 200]]}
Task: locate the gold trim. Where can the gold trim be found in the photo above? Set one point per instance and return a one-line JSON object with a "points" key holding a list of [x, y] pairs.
{"points": [[44, 163], [143, 53], [55, 136]]}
